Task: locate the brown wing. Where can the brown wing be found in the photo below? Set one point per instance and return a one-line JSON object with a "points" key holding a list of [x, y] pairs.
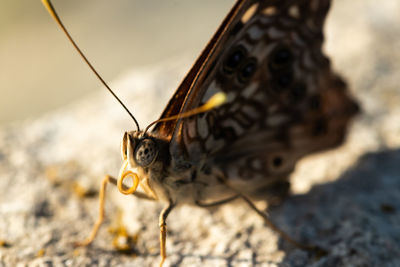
{"points": [[284, 101], [176, 103]]}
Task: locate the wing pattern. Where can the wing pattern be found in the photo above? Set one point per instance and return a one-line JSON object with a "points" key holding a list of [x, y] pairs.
{"points": [[284, 100]]}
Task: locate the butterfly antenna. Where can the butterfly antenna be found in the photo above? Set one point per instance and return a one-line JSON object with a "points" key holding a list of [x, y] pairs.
{"points": [[215, 101], [53, 13]]}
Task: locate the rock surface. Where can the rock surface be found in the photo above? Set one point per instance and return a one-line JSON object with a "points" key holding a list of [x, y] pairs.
{"points": [[347, 200]]}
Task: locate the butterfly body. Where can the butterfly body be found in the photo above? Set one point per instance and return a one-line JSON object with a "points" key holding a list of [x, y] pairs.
{"points": [[283, 102], [167, 179]]}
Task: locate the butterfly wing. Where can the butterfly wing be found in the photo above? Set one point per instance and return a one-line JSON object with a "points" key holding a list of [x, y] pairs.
{"points": [[284, 101], [187, 86]]}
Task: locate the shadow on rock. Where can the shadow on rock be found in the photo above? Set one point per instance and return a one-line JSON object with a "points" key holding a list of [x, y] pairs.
{"points": [[356, 218]]}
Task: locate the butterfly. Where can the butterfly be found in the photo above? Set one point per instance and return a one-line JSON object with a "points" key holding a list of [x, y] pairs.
{"points": [[260, 96]]}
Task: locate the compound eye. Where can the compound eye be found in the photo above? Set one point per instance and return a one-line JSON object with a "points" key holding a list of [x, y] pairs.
{"points": [[146, 152]]}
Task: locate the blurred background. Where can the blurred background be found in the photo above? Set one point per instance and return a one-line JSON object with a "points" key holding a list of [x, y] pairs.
{"points": [[40, 71]]}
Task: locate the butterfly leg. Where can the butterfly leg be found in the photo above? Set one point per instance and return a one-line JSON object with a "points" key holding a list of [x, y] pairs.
{"points": [[216, 203], [319, 251], [100, 218], [163, 231]]}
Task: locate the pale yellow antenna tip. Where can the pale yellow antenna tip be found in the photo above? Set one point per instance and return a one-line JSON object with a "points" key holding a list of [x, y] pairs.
{"points": [[215, 101]]}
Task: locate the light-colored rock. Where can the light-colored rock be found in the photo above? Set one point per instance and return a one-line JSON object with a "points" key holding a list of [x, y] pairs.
{"points": [[349, 201]]}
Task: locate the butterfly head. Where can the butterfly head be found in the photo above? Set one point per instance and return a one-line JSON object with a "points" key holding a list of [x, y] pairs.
{"points": [[140, 154]]}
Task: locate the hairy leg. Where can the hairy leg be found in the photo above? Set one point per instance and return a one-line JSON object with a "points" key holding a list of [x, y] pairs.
{"points": [[163, 231], [102, 195]]}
